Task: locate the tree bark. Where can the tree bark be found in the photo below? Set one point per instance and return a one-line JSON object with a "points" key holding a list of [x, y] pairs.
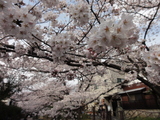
{"points": [[154, 87]]}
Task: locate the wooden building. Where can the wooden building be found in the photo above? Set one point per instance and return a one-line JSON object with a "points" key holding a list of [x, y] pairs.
{"points": [[138, 96], [134, 96]]}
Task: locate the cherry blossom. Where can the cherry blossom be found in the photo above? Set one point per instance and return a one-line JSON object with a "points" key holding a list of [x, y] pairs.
{"points": [[114, 34], [80, 13], [50, 44]]}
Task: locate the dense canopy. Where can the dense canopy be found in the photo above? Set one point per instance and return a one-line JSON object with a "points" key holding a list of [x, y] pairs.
{"points": [[55, 48]]}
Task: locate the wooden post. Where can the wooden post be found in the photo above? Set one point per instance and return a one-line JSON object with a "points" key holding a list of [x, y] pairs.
{"points": [[109, 115], [93, 110], [79, 114], [106, 112], [121, 115]]}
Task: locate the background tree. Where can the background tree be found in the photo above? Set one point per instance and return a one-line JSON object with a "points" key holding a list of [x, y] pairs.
{"points": [[8, 87]]}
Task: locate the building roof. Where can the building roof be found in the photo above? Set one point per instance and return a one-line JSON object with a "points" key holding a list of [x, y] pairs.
{"points": [[133, 90]]}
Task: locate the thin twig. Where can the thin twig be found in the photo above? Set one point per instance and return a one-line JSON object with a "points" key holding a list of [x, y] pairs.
{"points": [[151, 21], [6, 37], [33, 7]]}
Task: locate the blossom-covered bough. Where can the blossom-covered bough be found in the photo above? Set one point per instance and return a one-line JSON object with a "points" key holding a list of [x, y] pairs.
{"points": [[50, 42]]}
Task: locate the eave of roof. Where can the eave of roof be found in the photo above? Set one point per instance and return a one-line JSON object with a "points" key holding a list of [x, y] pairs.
{"points": [[133, 90]]}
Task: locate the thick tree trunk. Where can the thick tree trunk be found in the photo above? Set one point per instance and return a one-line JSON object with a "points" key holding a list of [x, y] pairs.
{"points": [[154, 87]]}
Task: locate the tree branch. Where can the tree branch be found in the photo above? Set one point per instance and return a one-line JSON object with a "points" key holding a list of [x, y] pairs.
{"points": [[149, 25]]}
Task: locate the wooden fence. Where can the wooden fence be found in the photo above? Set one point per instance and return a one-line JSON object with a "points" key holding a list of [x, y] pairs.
{"points": [[125, 114]]}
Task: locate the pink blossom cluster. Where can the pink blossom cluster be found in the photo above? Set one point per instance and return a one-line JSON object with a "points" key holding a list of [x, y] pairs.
{"points": [[50, 16], [60, 44], [16, 21], [79, 13], [50, 3], [113, 33], [153, 55], [152, 59]]}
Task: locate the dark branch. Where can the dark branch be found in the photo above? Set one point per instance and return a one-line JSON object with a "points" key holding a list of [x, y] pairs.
{"points": [[149, 25]]}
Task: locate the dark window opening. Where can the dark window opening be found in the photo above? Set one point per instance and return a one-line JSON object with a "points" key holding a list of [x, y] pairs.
{"points": [[120, 80]]}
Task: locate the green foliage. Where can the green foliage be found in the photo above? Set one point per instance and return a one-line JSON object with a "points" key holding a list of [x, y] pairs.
{"points": [[85, 117], [144, 118], [9, 112], [7, 89]]}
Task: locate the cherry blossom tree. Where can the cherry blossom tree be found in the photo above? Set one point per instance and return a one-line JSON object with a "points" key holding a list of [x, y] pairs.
{"points": [[62, 40]]}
